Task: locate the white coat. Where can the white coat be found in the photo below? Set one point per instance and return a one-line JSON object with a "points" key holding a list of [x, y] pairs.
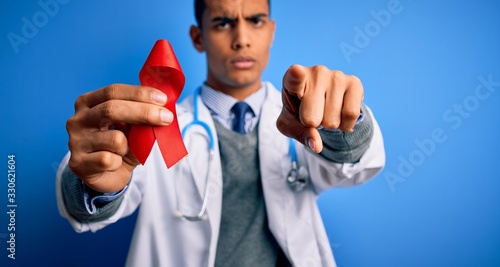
{"points": [[162, 239]]}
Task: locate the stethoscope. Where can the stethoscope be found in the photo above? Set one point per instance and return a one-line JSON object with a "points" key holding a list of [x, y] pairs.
{"points": [[297, 179]]}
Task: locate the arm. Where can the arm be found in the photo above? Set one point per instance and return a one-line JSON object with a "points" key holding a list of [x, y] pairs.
{"points": [[346, 147], [314, 97], [92, 179], [347, 171], [351, 151], [85, 204]]}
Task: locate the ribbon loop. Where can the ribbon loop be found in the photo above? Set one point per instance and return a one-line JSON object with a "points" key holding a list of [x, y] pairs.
{"points": [[162, 71]]}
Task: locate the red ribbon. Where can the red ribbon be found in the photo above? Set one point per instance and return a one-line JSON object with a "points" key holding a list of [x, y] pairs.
{"points": [[162, 71]]}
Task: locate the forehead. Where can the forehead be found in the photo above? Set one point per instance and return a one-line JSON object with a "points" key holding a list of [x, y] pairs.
{"points": [[234, 8]]}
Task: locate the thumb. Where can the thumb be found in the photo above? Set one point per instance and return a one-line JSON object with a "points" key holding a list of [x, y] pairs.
{"points": [[289, 125], [294, 80]]}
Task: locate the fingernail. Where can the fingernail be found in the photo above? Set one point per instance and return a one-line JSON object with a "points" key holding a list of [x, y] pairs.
{"points": [[166, 116], [159, 97], [310, 143]]}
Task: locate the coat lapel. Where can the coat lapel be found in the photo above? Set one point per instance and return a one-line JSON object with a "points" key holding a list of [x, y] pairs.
{"points": [[290, 214], [200, 166]]}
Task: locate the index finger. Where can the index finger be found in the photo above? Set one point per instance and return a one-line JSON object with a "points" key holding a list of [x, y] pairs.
{"points": [[294, 80], [134, 93]]}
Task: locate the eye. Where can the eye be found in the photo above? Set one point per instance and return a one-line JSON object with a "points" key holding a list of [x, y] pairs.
{"points": [[223, 25], [257, 21]]}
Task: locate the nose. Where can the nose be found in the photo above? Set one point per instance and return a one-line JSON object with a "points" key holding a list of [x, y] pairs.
{"points": [[241, 37]]}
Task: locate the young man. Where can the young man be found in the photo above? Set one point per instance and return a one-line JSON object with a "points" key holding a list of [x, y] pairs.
{"points": [[253, 216]]}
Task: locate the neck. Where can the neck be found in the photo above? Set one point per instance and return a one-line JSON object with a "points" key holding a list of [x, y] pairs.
{"points": [[237, 92]]}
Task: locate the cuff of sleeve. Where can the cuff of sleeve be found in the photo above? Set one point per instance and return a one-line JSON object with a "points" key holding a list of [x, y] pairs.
{"points": [[360, 119], [83, 206], [344, 147], [94, 200]]}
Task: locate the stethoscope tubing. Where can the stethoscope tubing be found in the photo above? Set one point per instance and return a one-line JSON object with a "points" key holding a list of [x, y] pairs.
{"points": [[295, 184]]}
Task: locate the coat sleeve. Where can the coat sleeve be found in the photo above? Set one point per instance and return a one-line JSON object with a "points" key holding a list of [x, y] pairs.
{"points": [[83, 203], [345, 147], [127, 204], [326, 173]]}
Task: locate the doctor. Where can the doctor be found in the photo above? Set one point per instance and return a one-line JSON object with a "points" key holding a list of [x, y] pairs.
{"points": [[230, 202]]}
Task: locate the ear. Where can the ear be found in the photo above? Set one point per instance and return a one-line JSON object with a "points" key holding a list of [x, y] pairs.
{"points": [[273, 26], [195, 33]]}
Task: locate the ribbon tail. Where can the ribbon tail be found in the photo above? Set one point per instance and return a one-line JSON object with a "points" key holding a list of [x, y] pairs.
{"points": [[171, 148], [141, 140]]}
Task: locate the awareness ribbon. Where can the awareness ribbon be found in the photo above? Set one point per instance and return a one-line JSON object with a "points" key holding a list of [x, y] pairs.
{"points": [[162, 71]]}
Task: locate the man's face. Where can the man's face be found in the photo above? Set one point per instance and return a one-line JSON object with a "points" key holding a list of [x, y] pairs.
{"points": [[236, 36]]}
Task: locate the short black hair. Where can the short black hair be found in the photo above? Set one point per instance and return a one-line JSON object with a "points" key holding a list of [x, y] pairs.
{"points": [[200, 5]]}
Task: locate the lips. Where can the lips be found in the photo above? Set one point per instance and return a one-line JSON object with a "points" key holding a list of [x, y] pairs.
{"points": [[243, 62]]}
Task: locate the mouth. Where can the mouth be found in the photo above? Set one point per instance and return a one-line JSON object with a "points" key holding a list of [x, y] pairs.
{"points": [[243, 62]]}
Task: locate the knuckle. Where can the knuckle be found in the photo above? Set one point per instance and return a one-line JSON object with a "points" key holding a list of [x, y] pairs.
{"points": [[118, 140], [354, 79], [310, 121], [149, 113], [108, 109], [78, 144], [109, 91], [320, 71], [74, 162], [142, 94], [74, 127], [338, 75], [331, 124], [73, 144], [80, 102], [321, 68], [71, 123], [356, 83], [350, 114], [105, 161]]}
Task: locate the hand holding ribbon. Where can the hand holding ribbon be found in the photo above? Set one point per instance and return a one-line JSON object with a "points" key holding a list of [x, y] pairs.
{"points": [[162, 71]]}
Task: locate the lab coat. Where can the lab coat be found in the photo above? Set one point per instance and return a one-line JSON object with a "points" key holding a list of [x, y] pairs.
{"points": [[162, 239]]}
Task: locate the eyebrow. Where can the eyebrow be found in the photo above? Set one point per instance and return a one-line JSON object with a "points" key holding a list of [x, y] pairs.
{"points": [[233, 19]]}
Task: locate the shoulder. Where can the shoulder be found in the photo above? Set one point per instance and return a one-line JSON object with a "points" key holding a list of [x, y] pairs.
{"points": [[186, 105], [184, 110], [272, 93]]}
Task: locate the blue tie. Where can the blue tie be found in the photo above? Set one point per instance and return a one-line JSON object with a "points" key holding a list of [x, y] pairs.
{"points": [[240, 109]]}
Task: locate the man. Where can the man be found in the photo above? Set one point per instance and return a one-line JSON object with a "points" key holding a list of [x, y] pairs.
{"points": [[252, 217]]}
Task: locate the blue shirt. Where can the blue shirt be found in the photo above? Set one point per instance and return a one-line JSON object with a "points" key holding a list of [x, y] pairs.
{"points": [[220, 104]]}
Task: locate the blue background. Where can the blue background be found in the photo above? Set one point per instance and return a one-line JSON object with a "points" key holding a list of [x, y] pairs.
{"points": [[444, 207]]}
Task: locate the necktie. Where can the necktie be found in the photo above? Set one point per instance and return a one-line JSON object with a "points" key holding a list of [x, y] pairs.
{"points": [[240, 109]]}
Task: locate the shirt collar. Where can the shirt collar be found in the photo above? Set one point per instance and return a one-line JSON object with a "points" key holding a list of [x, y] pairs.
{"points": [[221, 104]]}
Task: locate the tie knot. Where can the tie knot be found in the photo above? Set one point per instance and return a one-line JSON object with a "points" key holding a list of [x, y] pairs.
{"points": [[240, 110]]}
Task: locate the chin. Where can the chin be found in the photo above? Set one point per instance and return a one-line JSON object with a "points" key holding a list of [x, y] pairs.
{"points": [[243, 80], [243, 84]]}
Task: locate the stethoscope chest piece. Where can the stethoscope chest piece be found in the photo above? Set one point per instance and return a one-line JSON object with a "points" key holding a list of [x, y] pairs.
{"points": [[297, 178]]}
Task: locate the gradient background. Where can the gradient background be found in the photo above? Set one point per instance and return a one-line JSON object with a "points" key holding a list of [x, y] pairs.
{"points": [[424, 62]]}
